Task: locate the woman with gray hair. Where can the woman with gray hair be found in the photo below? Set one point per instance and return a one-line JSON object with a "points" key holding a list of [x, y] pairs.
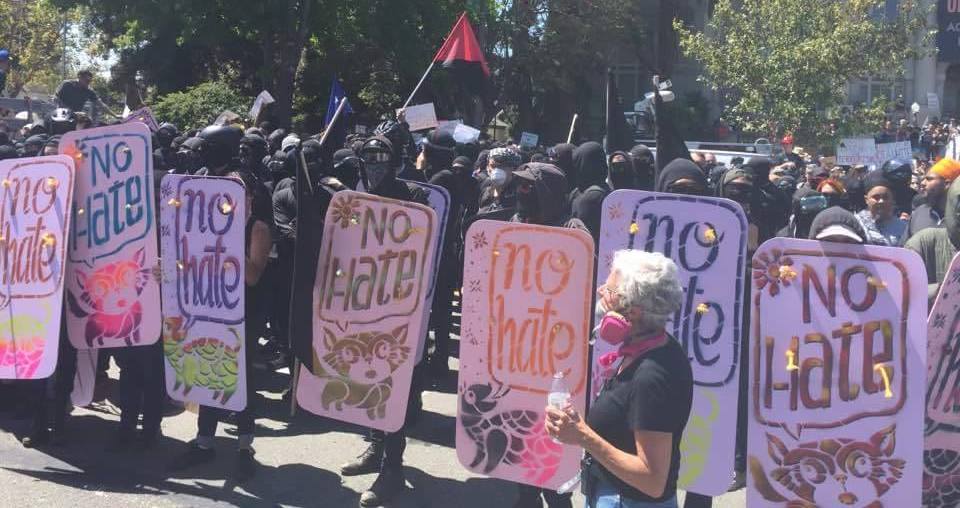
{"points": [[632, 432]]}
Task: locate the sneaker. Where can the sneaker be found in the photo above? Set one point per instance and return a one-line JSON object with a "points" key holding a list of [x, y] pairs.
{"points": [[194, 456], [366, 463], [390, 483], [739, 481], [245, 466], [38, 438]]}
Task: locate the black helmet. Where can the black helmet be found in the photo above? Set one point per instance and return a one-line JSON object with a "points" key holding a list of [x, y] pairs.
{"points": [[222, 144], [61, 121], [897, 171], [398, 135]]}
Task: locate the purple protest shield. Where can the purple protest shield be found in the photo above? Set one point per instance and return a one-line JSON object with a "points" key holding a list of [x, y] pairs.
{"points": [[113, 298], [202, 238], [837, 375]]}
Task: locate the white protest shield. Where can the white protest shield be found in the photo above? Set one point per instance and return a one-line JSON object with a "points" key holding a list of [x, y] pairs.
{"points": [[941, 441], [837, 375], [35, 201], [113, 298], [372, 276], [202, 238], [707, 239]]}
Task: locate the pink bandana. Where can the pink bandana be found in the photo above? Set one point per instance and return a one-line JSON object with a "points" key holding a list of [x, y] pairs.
{"points": [[632, 349]]}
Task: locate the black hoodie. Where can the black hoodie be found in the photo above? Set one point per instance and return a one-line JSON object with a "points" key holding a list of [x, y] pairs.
{"points": [[587, 199], [680, 169], [644, 164], [563, 153], [549, 185]]}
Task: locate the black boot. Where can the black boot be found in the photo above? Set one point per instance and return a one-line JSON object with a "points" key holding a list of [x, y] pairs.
{"points": [[388, 484], [366, 463]]}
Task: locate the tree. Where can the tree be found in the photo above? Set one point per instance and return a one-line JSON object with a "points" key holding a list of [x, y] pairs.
{"points": [[33, 32], [198, 106], [782, 65]]}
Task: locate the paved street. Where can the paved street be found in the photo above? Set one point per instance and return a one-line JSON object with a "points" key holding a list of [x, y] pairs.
{"points": [[299, 460]]}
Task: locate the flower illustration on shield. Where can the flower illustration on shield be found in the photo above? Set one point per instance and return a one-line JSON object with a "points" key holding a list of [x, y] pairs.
{"points": [[475, 286], [615, 212], [166, 190], [346, 211], [479, 240], [772, 271]]}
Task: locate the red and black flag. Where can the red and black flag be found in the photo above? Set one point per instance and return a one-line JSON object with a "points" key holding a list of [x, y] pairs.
{"points": [[461, 54]]}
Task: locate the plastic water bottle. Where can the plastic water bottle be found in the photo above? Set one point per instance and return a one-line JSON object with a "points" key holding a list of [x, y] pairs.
{"points": [[559, 395]]}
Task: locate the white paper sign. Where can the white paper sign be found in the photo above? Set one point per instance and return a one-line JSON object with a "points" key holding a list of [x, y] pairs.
{"points": [[853, 151], [262, 100], [420, 117], [899, 150], [465, 134], [529, 139]]}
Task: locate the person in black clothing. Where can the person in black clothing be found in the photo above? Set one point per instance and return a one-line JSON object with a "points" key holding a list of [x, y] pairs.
{"points": [[221, 147], [900, 174], [164, 149], [384, 455], [645, 167], [540, 188], [586, 200], [40, 406], [496, 192], [622, 175], [75, 94], [769, 201], [682, 176], [253, 150], [346, 167], [436, 160], [562, 156], [398, 134], [631, 435]]}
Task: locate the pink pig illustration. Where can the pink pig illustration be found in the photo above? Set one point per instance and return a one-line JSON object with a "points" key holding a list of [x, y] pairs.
{"points": [[111, 300]]}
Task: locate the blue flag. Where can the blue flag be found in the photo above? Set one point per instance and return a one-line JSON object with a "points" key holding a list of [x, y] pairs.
{"points": [[336, 93]]}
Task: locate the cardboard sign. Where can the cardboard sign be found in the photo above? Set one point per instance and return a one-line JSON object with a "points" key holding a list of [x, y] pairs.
{"points": [[34, 224], [202, 238], [837, 363], [706, 238], [529, 139], [465, 134], [941, 444], [145, 116], [85, 379], [373, 273], [112, 295], [263, 100], [899, 150], [526, 300], [420, 117], [439, 200], [852, 151]]}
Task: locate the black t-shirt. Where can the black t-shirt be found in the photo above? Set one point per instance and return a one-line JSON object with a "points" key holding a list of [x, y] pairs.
{"points": [[73, 96], [654, 393]]}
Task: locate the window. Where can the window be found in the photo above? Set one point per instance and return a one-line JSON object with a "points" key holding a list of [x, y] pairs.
{"points": [[865, 90]]}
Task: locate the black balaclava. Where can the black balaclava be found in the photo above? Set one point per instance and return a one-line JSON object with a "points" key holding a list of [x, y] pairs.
{"points": [[439, 149], [346, 167], [563, 158], [680, 169], [742, 193], [645, 167], [222, 145], [591, 165], [165, 135], [803, 217], [855, 192], [622, 174], [188, 159], [759, 167], [379, 167], [544, 204], [253, 149]]}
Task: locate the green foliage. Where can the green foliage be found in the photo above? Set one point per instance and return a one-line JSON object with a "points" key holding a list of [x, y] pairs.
{"points": [[200, 105], [33, 32], [782, 65]]}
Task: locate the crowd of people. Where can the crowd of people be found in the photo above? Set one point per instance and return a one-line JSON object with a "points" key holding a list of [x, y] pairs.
{"points": [[899, 204]]}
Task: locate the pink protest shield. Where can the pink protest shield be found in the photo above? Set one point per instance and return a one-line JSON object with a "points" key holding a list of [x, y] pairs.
{"points": [[113, 298], [707, 239], [526, 316], [34, 224], [941, 457], [202, 238], [837, 375], [374, 270]]}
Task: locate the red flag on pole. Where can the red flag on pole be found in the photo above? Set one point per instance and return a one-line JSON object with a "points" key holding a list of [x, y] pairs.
{"points": [[461, 47]]}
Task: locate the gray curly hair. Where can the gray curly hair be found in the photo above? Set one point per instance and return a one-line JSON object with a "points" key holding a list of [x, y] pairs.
{"points": [[648, 281]]}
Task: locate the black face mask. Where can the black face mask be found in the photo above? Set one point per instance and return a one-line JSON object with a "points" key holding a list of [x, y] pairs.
{"points": [[347, 173], [742, 194], [528, 207], [187, 162], [621, 175], [376, 173]]}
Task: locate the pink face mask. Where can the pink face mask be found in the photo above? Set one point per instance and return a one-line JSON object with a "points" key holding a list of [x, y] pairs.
{"points": [[614, 328]]}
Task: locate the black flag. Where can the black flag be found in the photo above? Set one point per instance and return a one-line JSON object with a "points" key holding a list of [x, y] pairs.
{"points": [[619, 134], [670, 145], [309, 228]]}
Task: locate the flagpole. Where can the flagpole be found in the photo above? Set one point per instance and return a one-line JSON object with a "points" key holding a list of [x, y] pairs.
{"points": [[573, 125], [417, 88]]}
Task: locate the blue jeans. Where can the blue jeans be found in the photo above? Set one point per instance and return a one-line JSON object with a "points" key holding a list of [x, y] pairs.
{"points": [[606, 495]]}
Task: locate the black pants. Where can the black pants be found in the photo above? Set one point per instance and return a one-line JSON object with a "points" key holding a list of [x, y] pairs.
{"points": [[530, 498], [394, 443], [441, 313], [62, 383], [141, 387], [697, 501]]}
